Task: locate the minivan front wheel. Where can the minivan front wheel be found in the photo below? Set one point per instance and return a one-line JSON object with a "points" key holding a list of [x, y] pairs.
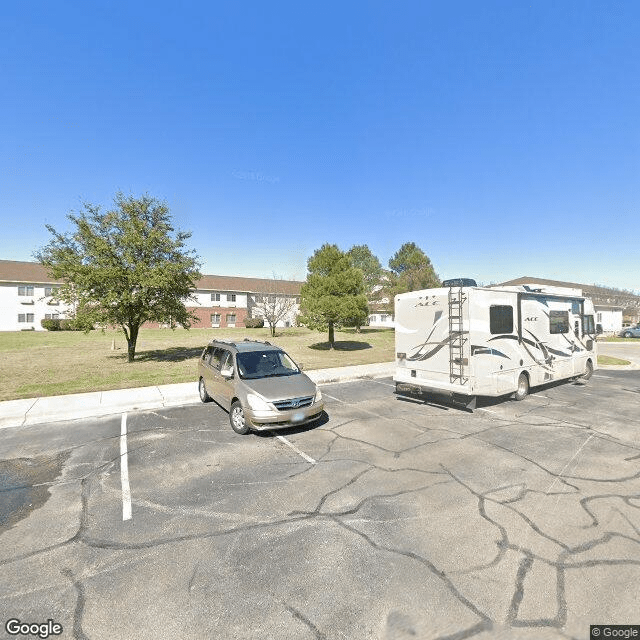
{"points": [[237, 419]]}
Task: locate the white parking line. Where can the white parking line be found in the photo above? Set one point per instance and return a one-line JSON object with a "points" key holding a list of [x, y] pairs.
{"points": [[326, 395], [124, 470], [293, 446], [386, 384], [597, 375]]}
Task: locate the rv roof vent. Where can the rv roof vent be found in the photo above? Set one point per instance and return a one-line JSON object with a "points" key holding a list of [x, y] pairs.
{"points": [[459, 282]]}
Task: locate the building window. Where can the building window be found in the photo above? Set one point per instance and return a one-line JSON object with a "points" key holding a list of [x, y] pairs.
{"points": [[50, 291], [231, 318], [558, 322], [383, 317], [215, 318], [231, 297], [51, 316], [215, 297], [25, 317], [501, 319], [599, 316], [25, 290]]}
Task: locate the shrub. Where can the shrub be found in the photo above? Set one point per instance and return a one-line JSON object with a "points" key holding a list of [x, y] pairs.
{"points": [[51, 324], [254, 323], [64, 324]]}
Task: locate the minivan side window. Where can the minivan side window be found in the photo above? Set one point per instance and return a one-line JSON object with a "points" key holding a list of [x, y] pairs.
{"points": [[501, 318], [206, 354], [215, 357], [226, 361]]}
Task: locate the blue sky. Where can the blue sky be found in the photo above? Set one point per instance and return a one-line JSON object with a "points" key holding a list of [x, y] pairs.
{"points": [[502, 137]]}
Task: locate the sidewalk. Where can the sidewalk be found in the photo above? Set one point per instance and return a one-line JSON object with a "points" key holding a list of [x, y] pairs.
{"points": [[16, 413]]}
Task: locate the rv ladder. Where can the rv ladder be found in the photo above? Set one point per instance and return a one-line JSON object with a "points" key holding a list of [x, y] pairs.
{"points": [[457, 340]]}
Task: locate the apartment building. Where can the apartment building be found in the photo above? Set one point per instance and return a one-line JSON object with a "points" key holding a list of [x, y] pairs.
{"points": [[27, 296]]}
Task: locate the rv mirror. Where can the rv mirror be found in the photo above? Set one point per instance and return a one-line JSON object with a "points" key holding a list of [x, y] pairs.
{"points": [[598, 329]]}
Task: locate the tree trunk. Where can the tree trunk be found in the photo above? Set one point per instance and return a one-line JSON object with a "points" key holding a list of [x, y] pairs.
{"points": [[331, 338], [273, 330], [132, 338]]}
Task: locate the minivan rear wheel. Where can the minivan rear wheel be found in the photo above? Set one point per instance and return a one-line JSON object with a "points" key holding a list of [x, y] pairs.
{"points": [[237, 419], [202, 390]]}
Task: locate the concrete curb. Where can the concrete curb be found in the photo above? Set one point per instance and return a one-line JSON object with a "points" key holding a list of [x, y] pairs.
{"points": [[96, 404]]}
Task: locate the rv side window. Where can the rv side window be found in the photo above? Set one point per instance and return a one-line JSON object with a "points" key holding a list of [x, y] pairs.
{"points": [[588, 325], [558, 322], [501, 319]]}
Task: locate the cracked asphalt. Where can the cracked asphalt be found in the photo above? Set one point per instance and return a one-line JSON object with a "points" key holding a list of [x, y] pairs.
{"points": [[413, 520]]}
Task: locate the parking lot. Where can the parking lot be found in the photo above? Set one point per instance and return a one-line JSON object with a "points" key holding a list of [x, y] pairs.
{"points": [[390, 519]]}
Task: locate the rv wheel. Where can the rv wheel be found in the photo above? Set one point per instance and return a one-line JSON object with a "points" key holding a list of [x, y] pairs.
{"points": [[523, 387], [588, 371]]}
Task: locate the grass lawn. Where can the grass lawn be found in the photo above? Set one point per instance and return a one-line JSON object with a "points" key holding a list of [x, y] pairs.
{"points": [[611, 360], [617, 339], [42, 363]]}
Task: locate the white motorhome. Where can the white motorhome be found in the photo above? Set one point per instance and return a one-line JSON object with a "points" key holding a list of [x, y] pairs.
{"points": [[467, 341]]}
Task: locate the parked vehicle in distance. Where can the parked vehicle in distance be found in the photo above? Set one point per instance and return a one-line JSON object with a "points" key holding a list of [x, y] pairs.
{"points": [[630, 332], [468, 341], [258, 384]]}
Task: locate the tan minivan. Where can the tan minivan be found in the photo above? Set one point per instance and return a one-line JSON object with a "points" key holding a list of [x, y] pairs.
{"points": [[258, 384]]}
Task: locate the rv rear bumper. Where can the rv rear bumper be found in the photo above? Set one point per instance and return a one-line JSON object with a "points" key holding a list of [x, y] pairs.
{"points": [[421, 392]]}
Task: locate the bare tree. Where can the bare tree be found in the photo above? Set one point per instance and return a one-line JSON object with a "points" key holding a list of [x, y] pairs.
{"points": [[276, 302]]}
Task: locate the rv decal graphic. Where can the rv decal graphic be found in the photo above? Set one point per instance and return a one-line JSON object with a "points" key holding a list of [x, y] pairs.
{"points": [[477, 350], [420, 355], [546, 363], [573, 346], [416, 355]]}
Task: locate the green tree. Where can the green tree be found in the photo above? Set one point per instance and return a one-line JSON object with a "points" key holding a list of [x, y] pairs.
{"points": [[333, 293], [362, 258], [124, 267], [411, 270]]}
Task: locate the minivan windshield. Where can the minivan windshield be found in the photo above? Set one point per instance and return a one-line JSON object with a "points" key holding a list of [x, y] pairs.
{"points": [[265, 364]]}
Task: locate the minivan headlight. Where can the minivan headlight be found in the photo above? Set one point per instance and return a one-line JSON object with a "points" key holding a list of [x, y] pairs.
{"points": [[257, 403], [318, 396]]}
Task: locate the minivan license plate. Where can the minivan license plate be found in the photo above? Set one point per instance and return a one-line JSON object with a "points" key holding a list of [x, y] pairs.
{"points": [[297, 417]]}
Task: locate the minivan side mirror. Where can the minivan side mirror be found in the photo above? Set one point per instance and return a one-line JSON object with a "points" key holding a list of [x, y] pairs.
{"points": [[226, 373]]}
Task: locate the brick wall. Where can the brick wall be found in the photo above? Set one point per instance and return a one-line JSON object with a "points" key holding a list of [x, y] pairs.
{"points": [[204, 314], [204, 317]]}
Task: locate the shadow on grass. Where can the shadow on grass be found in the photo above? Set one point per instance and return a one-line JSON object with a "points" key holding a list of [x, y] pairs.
{"points": [[364, 330], [172, 354], [341, 345]]}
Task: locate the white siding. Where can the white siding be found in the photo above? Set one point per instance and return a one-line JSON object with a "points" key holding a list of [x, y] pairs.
{"points": [[14, 305], [203, 299], [610, 319]]}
